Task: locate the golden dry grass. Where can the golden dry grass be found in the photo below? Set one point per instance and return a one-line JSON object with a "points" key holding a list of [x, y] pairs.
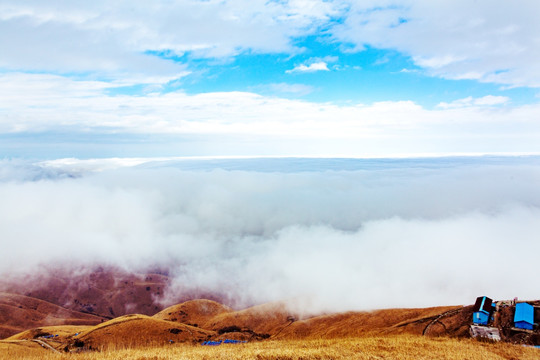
{"points": [[198, 311], [63, 331], [383, 334], [381, 347], [354, 324], [19, 312], [18, 349]]}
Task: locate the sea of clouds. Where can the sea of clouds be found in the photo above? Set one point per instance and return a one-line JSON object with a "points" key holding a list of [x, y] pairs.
{"points": [[327, 234]]}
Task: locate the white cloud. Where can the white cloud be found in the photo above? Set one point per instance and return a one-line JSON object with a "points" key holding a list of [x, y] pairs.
{"points": [[485, 41], [481, 40], [111, 38], [346, 240], [45, 103], [488, 100], [317, 66], [405, 70], [492, 100]]}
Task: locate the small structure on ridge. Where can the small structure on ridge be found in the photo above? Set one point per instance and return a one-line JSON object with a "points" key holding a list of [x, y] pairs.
{"points": [[482, 310], [524, 316]]}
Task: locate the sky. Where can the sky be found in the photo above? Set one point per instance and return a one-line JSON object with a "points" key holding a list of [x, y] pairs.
{"points": [[342, 78]]}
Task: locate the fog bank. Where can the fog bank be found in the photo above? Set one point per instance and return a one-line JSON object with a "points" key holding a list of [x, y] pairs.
{"points": [[332, 240]]}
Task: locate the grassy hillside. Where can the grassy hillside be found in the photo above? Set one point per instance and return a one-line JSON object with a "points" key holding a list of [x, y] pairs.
{"points": [[200, 320], [104, 292], [19, 312], [129, 331], [406, 347], [270, 331], [199, 312]]}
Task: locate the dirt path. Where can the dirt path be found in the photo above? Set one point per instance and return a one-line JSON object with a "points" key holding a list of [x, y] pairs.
{"points": [[437, 319], [45, 345]]}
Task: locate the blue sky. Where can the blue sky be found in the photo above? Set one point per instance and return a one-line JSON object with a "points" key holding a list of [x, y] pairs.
{"points": [[366, 76], [282, 78]]}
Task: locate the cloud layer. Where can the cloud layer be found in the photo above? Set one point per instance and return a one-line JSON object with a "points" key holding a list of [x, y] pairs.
{"points": [[80, 73], [485, 41], [112, 38], [407, 235], [247, 123]]}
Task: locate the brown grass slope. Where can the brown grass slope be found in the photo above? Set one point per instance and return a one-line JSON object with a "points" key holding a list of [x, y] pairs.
{"points": [[138, 330], [129, 331], [198, 312], [256, 322], [105, 292], [388, 321], [199, 320], [19, 312], [64, 332], [277, 321]]}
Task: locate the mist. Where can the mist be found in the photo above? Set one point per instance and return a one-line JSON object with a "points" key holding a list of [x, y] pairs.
{"points": [[321, 234]]}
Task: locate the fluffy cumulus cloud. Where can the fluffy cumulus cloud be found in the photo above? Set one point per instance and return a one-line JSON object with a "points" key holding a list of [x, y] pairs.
{"points": [[112, 38], [317, 66], [327, 239], [481, 40]]}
